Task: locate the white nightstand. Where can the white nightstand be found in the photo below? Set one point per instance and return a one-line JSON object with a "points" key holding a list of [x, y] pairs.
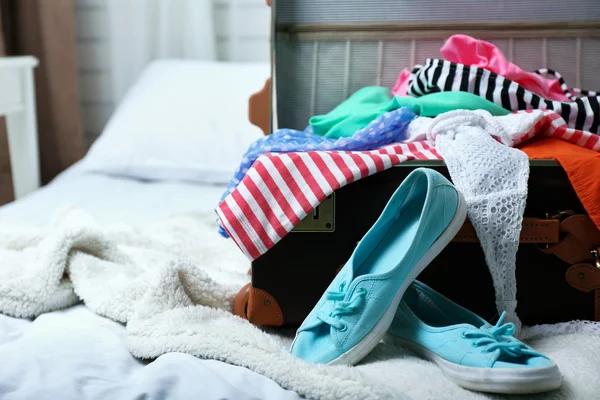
{"points": [[17, 104]]}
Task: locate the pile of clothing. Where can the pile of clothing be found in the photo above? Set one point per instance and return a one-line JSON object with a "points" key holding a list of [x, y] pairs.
{"points": [[478, 67], [472, 109]]}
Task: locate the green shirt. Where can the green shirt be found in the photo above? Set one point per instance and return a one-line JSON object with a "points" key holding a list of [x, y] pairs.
{"points": [[370, 102]]}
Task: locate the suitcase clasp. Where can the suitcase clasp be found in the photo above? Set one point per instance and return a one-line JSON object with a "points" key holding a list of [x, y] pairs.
{"points": [[560, 215], [596, 257]]}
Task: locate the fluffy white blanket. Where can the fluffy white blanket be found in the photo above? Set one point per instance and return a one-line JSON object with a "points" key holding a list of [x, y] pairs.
{"points": [[173, 284]]}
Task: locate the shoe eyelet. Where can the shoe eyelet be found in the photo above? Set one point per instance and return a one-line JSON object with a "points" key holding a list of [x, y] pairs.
{"points": [[473, 344], [462, 335], [344, 328]]}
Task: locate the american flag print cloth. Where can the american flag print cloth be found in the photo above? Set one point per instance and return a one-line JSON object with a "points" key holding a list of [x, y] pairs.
{"points": [[387, 128], [280, 189]]}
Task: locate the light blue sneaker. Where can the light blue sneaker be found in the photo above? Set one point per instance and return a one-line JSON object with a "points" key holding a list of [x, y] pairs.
{"points": [[468, 350], [421, 218]]}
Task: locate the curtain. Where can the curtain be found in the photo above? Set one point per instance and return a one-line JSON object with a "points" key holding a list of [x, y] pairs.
{"points": [[45, 29], [6, 187], [144, 30]]}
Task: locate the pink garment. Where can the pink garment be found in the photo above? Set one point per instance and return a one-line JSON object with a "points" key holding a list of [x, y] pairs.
{"points": [[463, 49], [401, 86]]}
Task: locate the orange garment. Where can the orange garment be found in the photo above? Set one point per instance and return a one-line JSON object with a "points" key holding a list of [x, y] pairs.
{"points": [[581, 165]]}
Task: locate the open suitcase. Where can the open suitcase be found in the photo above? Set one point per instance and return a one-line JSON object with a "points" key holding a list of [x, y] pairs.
{"points": [[323, 51]]}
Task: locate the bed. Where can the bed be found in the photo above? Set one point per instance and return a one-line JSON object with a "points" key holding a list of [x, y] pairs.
{"points": [[74, 353]]}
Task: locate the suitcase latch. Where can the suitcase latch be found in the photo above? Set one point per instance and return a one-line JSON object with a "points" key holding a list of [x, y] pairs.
{"points": [[322, 219], [596, 257]]}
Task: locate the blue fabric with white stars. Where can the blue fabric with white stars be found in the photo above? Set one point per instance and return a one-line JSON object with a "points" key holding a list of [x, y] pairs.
{"points": [[388, 128]]}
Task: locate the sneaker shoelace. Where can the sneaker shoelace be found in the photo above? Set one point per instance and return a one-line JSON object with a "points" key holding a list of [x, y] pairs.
{"points": [[341, 307], [500, 337]]}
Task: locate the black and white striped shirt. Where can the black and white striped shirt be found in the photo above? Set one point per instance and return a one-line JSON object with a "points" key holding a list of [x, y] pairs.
{"points": [[441, 76]]}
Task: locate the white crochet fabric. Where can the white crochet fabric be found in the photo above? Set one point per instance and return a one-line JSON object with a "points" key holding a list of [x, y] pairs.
{"points": [[561, 328], [493, 179]]}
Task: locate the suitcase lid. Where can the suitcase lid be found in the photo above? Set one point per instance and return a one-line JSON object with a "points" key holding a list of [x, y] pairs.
{"points": [[324, 50]]}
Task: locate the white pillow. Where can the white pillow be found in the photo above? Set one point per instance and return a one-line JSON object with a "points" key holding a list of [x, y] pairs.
{"points": [[182, 120]]}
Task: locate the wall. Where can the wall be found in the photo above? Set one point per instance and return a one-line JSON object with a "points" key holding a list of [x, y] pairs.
{"points": [[242, 35]]}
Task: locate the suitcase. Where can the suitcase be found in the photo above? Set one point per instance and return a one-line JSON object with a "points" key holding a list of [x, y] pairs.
{"points": [[285, 288], [322, 52]]}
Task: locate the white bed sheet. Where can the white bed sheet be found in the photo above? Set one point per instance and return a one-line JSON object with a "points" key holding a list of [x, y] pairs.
{"points": [[112, 199], [75, 354]]}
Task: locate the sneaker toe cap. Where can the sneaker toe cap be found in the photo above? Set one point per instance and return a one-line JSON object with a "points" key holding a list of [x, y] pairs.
{"points": [[315, 346]]}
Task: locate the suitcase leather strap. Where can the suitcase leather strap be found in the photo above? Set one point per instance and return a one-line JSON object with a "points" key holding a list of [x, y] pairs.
{"points": [[579, 237], [573, 238], [580, 246], [534, 230]]}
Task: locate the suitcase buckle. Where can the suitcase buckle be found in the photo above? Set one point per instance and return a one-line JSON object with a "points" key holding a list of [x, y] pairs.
{"points": [[561, 216], [596, 257], [579, 241]]}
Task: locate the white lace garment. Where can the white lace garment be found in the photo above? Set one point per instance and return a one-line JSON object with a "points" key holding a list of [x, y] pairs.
{"points": [[493, 179], [492, 176]]}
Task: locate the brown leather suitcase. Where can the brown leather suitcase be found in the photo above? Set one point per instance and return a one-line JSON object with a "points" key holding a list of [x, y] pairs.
{"points": [[557, 263]]}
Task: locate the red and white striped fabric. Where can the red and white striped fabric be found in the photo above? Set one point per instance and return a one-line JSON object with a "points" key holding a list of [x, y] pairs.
{"points": [[280, 189]]}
